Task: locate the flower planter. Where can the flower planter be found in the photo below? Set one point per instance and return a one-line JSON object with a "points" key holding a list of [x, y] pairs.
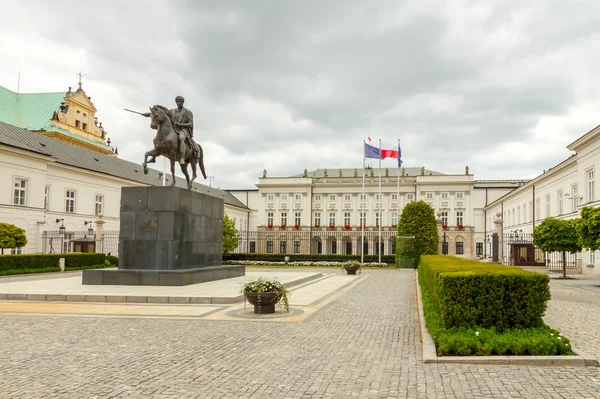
{"points": [[351, 270], [264, 302]]}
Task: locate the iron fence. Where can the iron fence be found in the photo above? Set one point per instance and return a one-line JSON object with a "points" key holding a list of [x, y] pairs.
{"points": [[323, 241], [110, 242], [57, 242], [519, 250]]}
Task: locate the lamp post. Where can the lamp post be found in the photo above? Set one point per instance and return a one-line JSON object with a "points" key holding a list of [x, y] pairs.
{"points": [[61, 232], [90, 229]]}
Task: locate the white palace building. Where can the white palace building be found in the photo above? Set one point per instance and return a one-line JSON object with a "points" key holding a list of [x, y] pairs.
{"points": [[60, 178]]}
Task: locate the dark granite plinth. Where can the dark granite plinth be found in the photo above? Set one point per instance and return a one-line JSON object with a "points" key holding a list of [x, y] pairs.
{"points": [[161, 277], [168, 236], [169, 228]]}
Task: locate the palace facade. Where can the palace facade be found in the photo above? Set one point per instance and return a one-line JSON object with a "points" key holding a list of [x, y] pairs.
{"points": [[324, 211]]}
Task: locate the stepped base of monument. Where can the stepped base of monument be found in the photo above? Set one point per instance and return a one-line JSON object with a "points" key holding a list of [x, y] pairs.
{"points": [[161, 277]]}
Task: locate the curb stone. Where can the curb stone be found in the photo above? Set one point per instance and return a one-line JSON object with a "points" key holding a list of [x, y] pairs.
{"points": [[580, 359]]}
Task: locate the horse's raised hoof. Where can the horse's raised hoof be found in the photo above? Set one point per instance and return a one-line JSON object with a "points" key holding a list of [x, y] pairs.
{"points": [[145, 170]]}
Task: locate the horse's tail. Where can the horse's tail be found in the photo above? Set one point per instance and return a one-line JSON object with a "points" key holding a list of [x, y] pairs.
{"points": [[201, 160]]}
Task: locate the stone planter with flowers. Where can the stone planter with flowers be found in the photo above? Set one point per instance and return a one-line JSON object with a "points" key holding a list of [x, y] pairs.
{"points": [[264, 294]]}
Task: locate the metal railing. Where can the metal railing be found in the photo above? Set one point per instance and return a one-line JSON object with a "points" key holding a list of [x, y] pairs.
{"points": [[322, 241]]}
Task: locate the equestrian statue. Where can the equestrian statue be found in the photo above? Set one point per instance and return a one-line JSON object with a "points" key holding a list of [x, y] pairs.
{"points": [[174, 139]]}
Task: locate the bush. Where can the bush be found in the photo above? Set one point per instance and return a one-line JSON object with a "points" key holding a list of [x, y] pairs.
{"points": [[45, 261], [11, 236], [470, 293], [31, 262], [417, 220], [113, 260], [77, 260], [481, 341], [27, 271]]}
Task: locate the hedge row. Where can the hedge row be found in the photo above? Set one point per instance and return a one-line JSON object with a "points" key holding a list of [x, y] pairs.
{"points": [[481, 341], [472, 293], [390, 259], [44, 261]]}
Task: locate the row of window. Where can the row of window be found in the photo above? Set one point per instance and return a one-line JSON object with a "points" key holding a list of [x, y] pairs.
{"points": [[524, 214], [318, 219], [333, 197], [363, 197], [21, 192]]}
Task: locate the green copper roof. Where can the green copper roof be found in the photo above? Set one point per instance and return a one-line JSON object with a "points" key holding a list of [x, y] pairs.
{"points": [[31, 111]]}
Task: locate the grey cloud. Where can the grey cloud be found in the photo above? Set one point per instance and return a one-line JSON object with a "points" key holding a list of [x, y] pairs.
{"points": [[285, 86]]}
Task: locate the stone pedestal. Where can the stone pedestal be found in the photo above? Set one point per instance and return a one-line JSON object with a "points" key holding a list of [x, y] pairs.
{"points": [[168, 236]]}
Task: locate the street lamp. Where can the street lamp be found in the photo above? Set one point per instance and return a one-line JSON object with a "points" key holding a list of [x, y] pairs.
{"points": [[62, 229], [90, 229]]}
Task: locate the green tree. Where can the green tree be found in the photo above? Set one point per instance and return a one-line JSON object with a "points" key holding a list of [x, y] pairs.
{"points": [[588, 228], [230, 235], [557, 235], [11, 236], [418, 221]]}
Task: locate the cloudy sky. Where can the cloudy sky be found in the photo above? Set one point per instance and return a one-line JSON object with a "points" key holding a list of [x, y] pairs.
{"points": [[502, 86]]}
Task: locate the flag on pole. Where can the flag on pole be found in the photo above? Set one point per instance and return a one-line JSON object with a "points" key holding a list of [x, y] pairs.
{"points": [[372, 152], [388, 151], [391, 151], [369, 138]]}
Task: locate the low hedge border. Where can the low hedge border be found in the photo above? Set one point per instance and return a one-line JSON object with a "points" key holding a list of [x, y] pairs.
{"points": [[471, 293], [389, 259], [481, 341], [49, 263], [301, 264], [28, 271]]}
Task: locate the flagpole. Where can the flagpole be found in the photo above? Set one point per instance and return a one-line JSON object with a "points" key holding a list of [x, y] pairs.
{"points": [[362, 197], [379, 205], [398, 193]]}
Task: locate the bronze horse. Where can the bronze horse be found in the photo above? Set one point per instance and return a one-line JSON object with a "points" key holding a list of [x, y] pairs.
{"points": [[166, 144]]}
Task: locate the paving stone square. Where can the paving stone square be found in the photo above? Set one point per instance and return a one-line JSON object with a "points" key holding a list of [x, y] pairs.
{"points": [[363, 343]]}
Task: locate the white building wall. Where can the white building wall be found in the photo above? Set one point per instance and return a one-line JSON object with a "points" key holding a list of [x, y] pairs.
{"points": [[41, 171]]}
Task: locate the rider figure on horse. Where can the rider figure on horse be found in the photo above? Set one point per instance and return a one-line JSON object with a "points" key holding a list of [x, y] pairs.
{"points": [[183, 124]]}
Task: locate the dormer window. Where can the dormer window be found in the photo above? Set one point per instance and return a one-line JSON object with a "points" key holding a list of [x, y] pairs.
{"points": [[84, 126], [77, 123]]}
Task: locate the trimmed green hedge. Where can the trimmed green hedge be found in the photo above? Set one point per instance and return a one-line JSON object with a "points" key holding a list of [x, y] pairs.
{"points": [[472, 293], [48, 261], [113, 260], [481, 341], [308, 258], [28, 271]]}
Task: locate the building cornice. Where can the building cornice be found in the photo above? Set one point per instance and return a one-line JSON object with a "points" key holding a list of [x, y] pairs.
{"points": [[585, 139]]}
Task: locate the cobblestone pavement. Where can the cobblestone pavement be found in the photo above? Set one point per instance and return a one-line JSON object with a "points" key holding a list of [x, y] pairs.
{"points": [[575, 310], [364, 344]]}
